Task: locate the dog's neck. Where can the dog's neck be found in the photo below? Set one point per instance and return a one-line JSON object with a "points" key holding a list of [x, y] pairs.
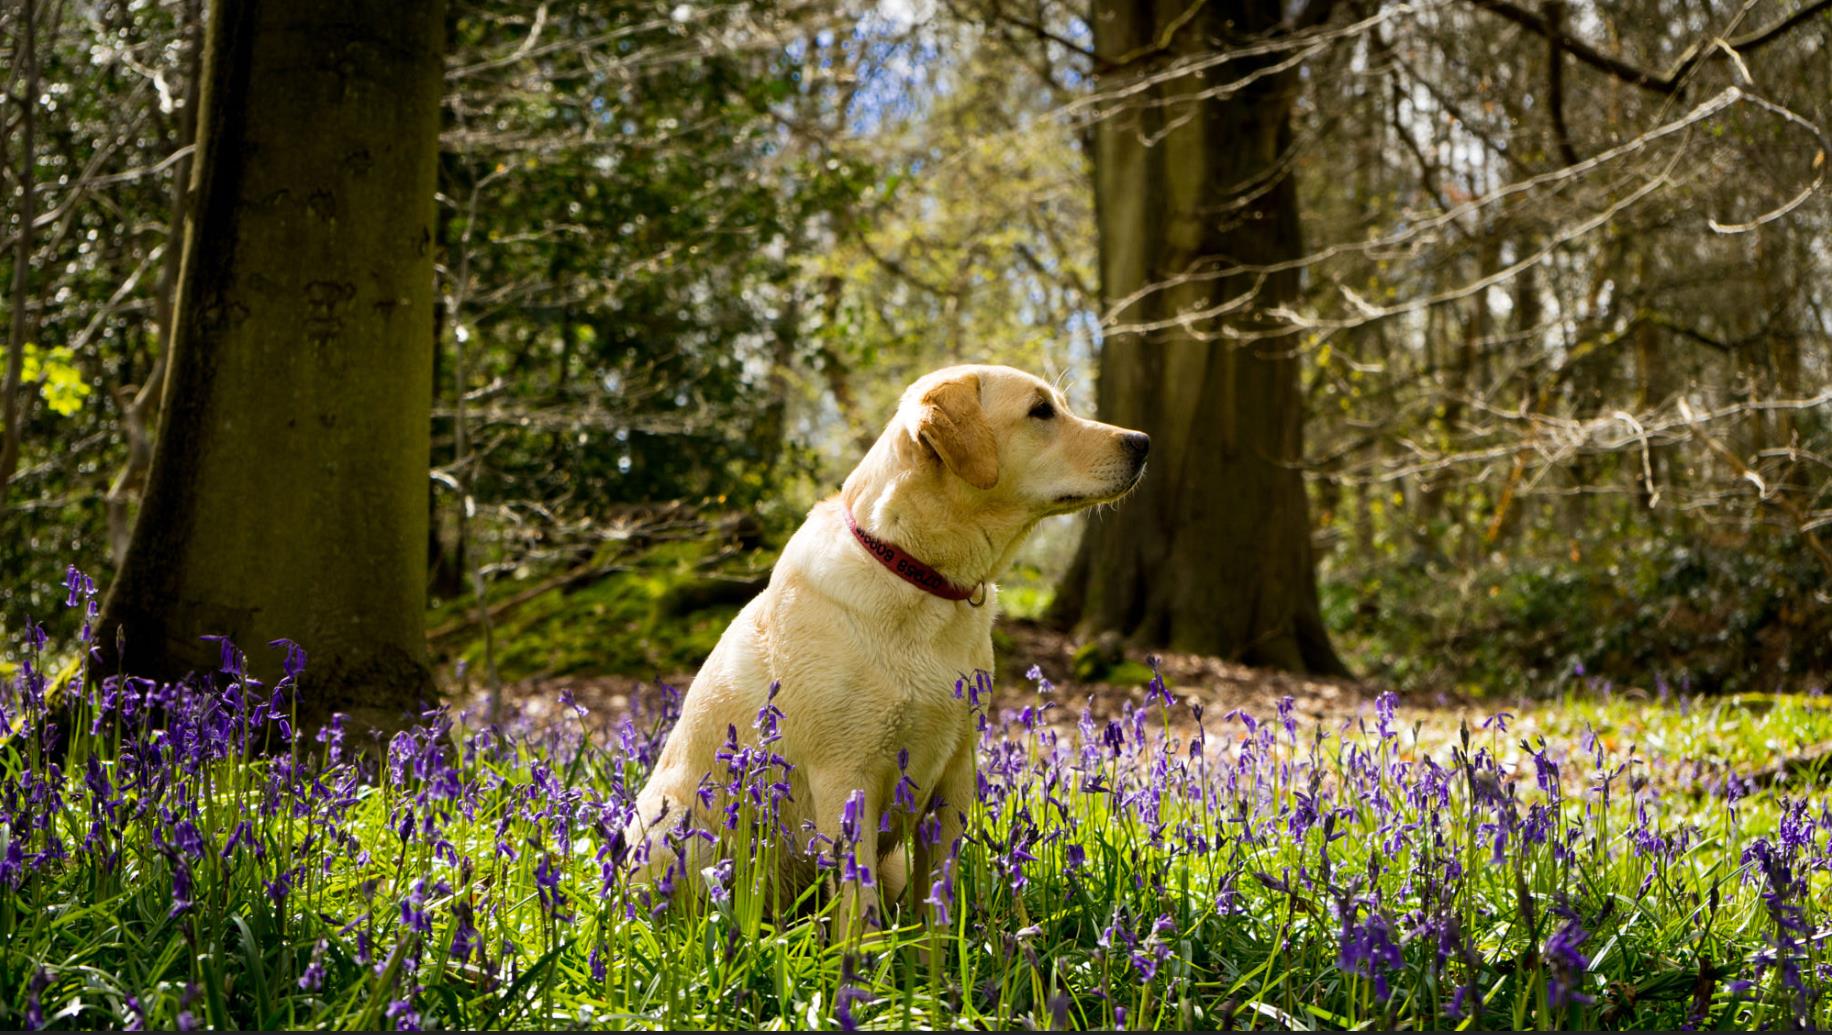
{"points": [[915, 506]]}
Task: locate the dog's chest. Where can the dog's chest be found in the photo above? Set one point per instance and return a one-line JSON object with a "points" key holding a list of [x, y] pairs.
{"points": [[925, 651], [924, 668]]}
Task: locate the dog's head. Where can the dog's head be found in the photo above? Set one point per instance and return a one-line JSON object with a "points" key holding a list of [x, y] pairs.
{"points": [[1009, 440]]}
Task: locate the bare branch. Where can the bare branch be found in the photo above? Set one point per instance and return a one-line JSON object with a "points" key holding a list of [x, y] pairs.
{"points": [[1778, 499], [1555, 80], [1658, 82]]}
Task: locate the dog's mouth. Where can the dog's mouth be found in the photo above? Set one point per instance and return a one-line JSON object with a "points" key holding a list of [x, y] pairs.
{"points": [[1076, 501]]}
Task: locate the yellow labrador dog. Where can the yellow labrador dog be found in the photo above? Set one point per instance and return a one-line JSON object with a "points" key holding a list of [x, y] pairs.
{"points": [[880, 603]]}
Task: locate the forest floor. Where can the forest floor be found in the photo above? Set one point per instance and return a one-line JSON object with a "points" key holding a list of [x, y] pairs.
{"points": [[1219, 686], [1681, 742]]}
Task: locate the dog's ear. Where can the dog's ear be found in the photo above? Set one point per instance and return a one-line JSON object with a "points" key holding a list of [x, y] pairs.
{"points": [[955, 427]]}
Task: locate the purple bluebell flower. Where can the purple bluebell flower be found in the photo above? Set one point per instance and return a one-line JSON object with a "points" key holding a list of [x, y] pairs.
{"points": [[843, 1003], [1566, 964], [186, 1020], [851, 814], [312, 979], [465, 937], [1386, 705], [1369, 950], [941, 894], [34, 1008], [402, 1013], [293, 664], [181, 888], [1156, 692], [904, 796], [279, 888]]}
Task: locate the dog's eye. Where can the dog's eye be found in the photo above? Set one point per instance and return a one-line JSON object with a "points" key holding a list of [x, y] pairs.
{"points": [[1043, 410]]}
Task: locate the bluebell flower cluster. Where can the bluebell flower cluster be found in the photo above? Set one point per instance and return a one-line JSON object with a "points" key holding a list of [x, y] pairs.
{"points": [[1153, 866]]}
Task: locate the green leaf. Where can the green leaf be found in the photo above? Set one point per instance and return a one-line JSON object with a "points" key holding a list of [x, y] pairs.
{"points": [[60, 382]]}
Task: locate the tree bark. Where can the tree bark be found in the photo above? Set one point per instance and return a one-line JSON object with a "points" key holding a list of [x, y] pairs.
{"points": [[1213, 552], [286, 496]]}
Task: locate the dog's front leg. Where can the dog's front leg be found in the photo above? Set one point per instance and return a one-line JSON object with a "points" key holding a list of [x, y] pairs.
{"points": [[951, 802]]}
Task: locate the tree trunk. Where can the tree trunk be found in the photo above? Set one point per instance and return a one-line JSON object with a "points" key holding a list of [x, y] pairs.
{"points": [[1469, 380], [1213, 553], [287, 491]]}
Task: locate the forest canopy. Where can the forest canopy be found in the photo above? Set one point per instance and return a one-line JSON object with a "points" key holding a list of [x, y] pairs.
{"points": [[1552, 295]]}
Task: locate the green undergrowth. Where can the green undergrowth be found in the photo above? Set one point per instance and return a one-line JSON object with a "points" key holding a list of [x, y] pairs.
{"points": [[1667, 614], [655, 610], [640, 612]]}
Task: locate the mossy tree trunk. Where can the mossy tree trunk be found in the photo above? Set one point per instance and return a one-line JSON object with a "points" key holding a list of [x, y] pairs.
{"points": [[1193, 177], [287, 494]]}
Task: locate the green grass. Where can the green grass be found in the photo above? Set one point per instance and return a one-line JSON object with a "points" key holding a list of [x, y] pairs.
{"points": [[1682, 742]]}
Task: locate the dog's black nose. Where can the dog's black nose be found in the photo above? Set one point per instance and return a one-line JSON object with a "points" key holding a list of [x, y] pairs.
{"points": [[1137, 444]]}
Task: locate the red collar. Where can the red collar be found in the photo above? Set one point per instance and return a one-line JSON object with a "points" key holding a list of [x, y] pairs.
{"points": [[911, 570]]}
